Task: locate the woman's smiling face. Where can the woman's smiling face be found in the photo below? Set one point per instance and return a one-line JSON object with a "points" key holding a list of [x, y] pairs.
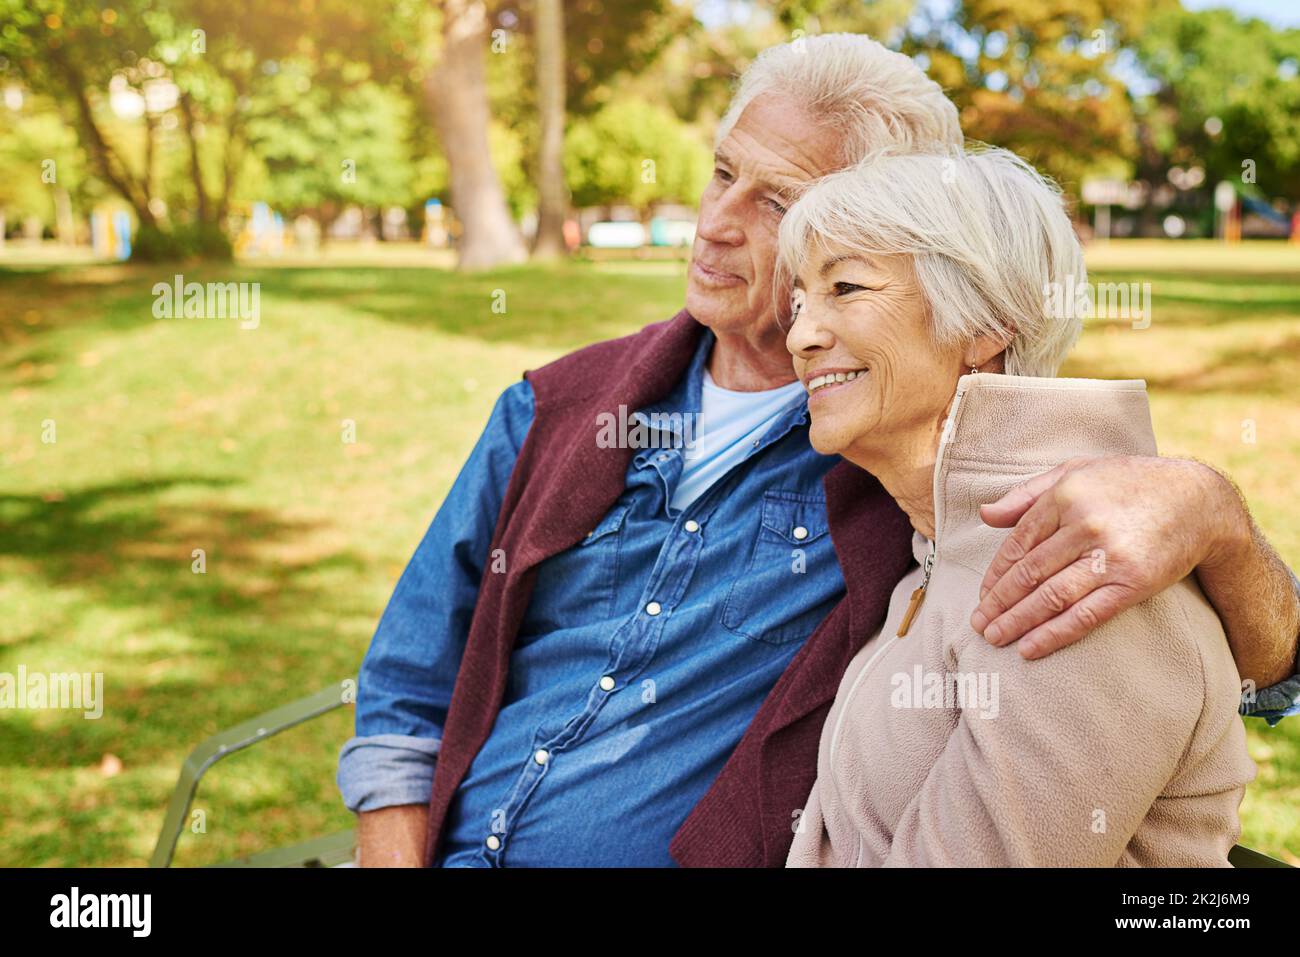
{"points": [[863, 348]]}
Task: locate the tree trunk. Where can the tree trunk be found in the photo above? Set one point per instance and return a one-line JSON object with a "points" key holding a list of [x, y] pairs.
{"points": [[456, 92], [65, 225], [324, 214], [233, 152], [196, 169], [150, 155], [552, 192], [102, 156]]}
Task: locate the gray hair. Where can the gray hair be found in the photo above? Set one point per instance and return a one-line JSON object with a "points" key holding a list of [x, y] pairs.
{"points": [[988, 236], [870, 95]]}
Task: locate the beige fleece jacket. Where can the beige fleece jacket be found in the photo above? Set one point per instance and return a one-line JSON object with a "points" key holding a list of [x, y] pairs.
{"points": [[1123, 749]]}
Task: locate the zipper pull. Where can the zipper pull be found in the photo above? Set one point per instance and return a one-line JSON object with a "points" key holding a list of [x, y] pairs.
{"points": [[918, 596]]}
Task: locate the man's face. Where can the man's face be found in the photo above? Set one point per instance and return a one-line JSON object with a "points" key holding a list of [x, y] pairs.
{"points": [[774, 150]]}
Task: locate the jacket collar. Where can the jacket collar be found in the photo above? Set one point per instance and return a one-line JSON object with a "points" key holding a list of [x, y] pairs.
{"points": [[1005, 428]]}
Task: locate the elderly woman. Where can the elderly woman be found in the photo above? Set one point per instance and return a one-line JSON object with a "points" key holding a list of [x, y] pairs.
{"points": [[923, 332]]}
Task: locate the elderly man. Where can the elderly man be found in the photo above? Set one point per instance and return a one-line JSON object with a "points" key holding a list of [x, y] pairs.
{"points": [[618, 647]]}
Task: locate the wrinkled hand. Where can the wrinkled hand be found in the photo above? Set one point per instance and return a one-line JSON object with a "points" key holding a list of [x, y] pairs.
{"points": [[1092, 538]]}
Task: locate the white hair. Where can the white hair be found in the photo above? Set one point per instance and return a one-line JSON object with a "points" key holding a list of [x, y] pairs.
{"points": [[871, 96], [988, 236]]}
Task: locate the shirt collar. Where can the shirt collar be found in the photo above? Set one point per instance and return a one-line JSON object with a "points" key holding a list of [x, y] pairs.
{"points": [[687, 398]]}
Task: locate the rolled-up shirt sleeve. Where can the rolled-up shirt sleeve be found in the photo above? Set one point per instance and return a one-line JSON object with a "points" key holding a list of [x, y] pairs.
{"points": [[406, 680], [385, 770], [1276, 701]]}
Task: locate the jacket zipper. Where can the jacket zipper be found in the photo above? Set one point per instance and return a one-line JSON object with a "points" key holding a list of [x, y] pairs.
{"points": [[919, 594]]}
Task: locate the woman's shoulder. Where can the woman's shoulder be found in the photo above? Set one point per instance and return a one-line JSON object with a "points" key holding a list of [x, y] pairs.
{"points": [[1168, 652], [1188, 625]]}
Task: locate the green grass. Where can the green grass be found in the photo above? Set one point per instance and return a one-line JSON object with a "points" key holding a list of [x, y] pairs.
{"points": [[175, 435]]}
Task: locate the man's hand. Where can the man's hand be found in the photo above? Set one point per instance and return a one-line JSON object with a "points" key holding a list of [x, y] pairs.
{"points": [[392, 836], [1093, 537]]}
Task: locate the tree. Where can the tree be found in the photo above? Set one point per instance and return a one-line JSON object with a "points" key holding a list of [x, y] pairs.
{"points": [[457, 93], [606, 42], [1227, 98], [191, 68], [1040, 77], [225, 56], [70, 53], [42, 169], [486, 107], [607, 49], [552, 193], [323, 146], [636, 153]]}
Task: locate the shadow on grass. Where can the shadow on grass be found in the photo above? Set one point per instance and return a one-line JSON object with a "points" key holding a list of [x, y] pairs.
{"points": [[277, 615], [1245, 371], [1179, 298], [211, 649], [542, 307], [1242, 372], [537, 306], [34, 304]]}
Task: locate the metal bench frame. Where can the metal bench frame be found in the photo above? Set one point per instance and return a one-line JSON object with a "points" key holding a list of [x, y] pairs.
{"points": [[329, 851], [340, 848]]}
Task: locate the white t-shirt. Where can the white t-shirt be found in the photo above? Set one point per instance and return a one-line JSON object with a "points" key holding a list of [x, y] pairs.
{"points": [[729, 424]]}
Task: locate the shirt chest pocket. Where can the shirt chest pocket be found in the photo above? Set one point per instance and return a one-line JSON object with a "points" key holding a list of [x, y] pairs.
{"points": [[791, 581], [577, 585]]}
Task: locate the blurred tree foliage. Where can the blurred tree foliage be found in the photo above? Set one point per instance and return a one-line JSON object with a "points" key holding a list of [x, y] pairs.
{"points": [[1044, 78], [1228, 98], [69, 53], [323, 148], [184, 71], [39, 158], [606, 41], [637, 153], [266, 99]]}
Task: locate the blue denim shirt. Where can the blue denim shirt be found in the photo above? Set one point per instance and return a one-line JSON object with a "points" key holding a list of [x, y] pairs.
{"points": [[644, 654], [615, 725]]}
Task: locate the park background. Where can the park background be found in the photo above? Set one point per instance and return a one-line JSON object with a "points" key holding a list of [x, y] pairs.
{"points": [[434, 196]]}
